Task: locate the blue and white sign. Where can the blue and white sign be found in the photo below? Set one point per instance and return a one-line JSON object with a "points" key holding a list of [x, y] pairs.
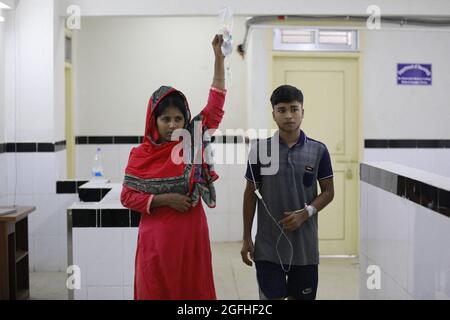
{"points": [[414, 74]]}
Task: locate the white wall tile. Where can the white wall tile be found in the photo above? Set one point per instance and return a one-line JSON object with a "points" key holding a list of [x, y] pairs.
{"points": [[237, 172], [235, 192], [408, 157], [81, 294], [111, 168], [388, 233], [61, 164], [85, 159], [363, 223], [11, 160], [397, 234], [236, 228], [409, 243], [128, 293], [424, 159], [394, 291], [218, 150], [432, 160], [45, 218], [3, 175], [129, 253], [81, 239], [365, 277], [25, 175], [64, 201], [222, 198], [22, 200], [124, 154], [44, 173], [218, 225], [430, 258], [63, 263], [235, 154], [376, 155], [364, 293], [101, 259], [442, 160]]}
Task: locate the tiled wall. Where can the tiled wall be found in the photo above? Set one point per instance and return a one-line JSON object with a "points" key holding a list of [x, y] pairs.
{"points": [[115, 158], [107, 279], [432, 160], [29, 178], [428, 155], [3, 178], [407, 241]]}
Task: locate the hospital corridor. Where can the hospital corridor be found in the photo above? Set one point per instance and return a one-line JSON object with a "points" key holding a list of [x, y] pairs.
{"points": [[224, 150]]}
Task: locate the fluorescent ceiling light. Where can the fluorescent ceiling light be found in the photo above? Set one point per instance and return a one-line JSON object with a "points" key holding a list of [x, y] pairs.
{"points": [[4, 6]]}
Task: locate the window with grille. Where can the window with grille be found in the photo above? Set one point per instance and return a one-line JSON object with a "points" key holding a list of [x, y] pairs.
{"points": [[303, 39]]}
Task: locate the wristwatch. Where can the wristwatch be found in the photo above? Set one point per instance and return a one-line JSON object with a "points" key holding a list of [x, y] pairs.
{"points": [[311, 210]]}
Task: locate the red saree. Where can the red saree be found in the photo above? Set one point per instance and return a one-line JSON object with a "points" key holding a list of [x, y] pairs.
{"points": [[173, 255]]}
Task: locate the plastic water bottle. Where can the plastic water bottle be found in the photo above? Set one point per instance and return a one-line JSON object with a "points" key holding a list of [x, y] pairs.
{"points": [[97, 168]]}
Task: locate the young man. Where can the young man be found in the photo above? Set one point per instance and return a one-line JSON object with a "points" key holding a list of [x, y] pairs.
{"points": [[287, 269]]}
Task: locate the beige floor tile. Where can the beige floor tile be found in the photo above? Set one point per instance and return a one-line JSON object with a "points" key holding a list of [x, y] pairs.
{"points": [[338, 278]]}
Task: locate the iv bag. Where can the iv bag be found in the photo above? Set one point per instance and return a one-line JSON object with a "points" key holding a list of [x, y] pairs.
{"points": [[226, 21]]}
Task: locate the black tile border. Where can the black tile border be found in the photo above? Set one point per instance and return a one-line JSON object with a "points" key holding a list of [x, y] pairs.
{"points": [[100, 140], [69, 186], [406, 144], [376, 144], [85, 218], [402, 144], [430, 197], [32, 147], [26, 147], [45, 147], [115, 218], [93, 194], [105, 218], [126, 140], [81, 140], [61, 145], [139, 139], [66, 187]]}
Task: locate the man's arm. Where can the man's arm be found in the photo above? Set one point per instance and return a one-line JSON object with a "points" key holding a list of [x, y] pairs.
{"points": [[295, 219], [249, 208], [326, 195]]}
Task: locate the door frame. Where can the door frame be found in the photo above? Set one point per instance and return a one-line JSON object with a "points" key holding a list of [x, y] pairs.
{"points": [[69, 115]]}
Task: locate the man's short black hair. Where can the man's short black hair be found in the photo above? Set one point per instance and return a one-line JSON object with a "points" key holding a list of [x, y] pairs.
{"points": [[286, 93]]}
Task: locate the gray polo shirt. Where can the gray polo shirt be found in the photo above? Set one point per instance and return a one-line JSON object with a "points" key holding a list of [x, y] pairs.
{"points": [[295, 182]]}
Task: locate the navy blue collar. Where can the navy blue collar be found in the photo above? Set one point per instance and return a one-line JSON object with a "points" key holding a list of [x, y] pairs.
{"points": [[301, 140]]}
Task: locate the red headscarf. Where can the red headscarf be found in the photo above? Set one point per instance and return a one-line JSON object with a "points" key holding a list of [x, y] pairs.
{"points": [[151, 169]]}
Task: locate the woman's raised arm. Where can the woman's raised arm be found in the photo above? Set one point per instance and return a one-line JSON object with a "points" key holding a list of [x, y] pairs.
{"points": [[219, 64]]}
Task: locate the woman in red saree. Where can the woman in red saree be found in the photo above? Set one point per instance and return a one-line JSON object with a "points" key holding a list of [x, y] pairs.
{"points": [[173, 255]]}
